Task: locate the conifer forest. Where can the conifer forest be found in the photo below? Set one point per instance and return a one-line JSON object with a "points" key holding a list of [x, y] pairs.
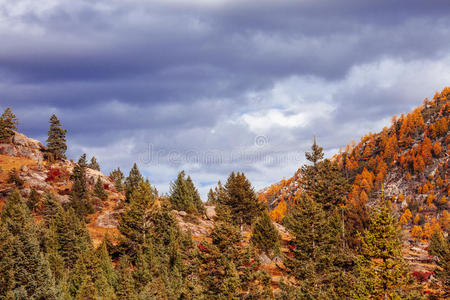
{"points": [[224, 150]]}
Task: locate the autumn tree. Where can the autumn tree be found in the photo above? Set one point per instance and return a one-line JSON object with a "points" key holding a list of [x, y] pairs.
{"points": [[56, 141], [8, 124]]}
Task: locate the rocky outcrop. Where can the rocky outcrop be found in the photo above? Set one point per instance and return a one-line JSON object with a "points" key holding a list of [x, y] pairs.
{"points": [[23, 146]]}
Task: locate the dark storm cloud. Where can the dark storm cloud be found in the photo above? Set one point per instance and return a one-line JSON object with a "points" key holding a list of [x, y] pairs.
{"points": [[200, 75]]}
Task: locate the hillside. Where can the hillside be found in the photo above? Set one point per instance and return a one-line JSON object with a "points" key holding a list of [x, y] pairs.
{"points": [[407, 163], [25, 157]]}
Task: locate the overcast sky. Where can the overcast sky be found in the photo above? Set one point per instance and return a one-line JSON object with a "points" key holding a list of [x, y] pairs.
{"points": [[212, 86]]}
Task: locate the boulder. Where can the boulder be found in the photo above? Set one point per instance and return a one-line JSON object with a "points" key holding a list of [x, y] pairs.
{"points": [[210, 212], [264, 259], [182, 213]]}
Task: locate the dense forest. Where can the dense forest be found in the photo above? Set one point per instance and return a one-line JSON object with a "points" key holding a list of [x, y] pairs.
{"points": [[346, 222]]}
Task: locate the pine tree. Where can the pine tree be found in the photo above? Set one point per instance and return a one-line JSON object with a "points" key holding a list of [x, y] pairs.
{"points": [[265, 236], [382, 272], [135, 222], [239, 195], [118, 177], [316, 154], [125, 290], [440, 247], [317, 262], [56, 141], [323, 181], [184, 196], [79, 196], [24, 270], [94, 164], [33, 200], [15, 178], [132, 181], [197, 201], [8, 124], [99, 189], [230, 270]]}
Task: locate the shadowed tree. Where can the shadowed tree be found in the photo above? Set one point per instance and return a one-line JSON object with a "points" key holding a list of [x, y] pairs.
{"points": [[56, 141]]}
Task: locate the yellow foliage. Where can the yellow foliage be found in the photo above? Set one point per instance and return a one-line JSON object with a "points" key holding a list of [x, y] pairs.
{"points": [[416, 232], [279, 212], [430, 199], [416, 219]]}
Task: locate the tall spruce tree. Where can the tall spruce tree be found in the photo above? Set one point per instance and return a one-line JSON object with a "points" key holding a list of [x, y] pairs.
{"points": [[132, 181], [317, 260], [99, 189], [8, 124], [265, 236], [33, 200], [239, 195], [135, 221], [56, 141], [79, 196], [323, 181], [382, 273], [184, 196], [440, 248], [94, 164], [117, 177], [230, 270], [24, 270]]}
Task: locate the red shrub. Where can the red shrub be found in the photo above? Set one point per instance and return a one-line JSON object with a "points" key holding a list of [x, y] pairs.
{"points": [[106, 186], [53, 174], [422, 276]]}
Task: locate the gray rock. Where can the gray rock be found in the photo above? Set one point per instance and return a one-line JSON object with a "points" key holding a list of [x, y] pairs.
{"points": [[210, 212], [264, 259], [182, 213]]}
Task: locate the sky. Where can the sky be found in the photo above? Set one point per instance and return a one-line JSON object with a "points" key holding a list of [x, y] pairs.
{"points": [[214, 86]]}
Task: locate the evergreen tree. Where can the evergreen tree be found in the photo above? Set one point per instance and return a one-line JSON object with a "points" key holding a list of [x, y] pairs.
{"points": [[99, 189], [197, 201], [382, 272], [24, 270], [132, 181], [184, 196], [87, 276], [317, 262], [56, 141], [265, 236], [323, 181], [118, 177], [94, 164], [228, 269], [15, 178], [33, 200], [239, 195], [125, 290], [8, 124], [440, 247], [106, 264], [79, 196], [135, 221], [68, 235]]}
